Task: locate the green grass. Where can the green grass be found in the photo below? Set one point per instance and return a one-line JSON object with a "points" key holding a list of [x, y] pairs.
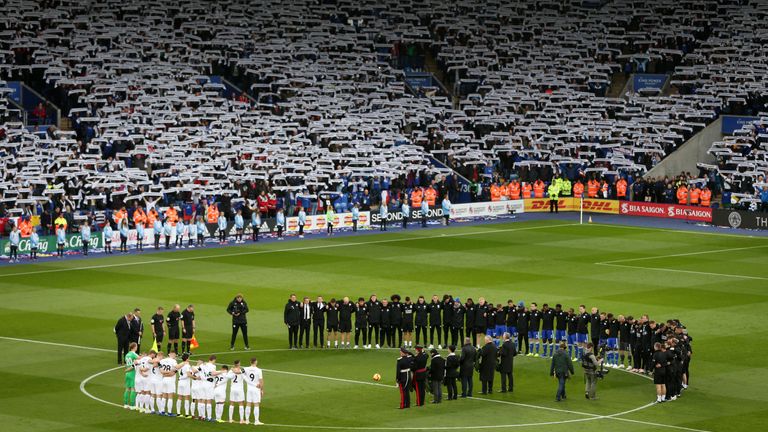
{"points": [[720, 297]]}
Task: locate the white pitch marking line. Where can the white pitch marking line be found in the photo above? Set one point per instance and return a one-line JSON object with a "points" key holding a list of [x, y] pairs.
{"points": [[681, 254], [304, 248], [57, 344], [684, 271]]}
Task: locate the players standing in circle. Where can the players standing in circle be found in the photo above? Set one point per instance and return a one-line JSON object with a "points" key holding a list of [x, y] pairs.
{"points": [[168, 369], [188, 328], [184, 387], [254, 381]]}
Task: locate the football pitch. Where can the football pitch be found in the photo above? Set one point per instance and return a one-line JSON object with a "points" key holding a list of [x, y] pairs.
{"points": [[57, 360]]}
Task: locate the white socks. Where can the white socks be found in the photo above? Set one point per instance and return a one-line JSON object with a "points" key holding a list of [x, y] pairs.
{"points": [[200, 409], [256, 414], [232, 412], [241, 409], [170, 405], [208, 411], [219, 410], [247, 413]]}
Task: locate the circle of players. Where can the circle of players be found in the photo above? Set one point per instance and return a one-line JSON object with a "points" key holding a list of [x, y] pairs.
{"points": [[153, 379], [644, 346]]}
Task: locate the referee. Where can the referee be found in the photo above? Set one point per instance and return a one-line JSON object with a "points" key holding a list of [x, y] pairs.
{"points": [[238, 308]]}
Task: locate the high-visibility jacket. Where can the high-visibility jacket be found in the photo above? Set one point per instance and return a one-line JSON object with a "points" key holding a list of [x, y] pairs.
{"points": [[695, 193], [416, 196], [212, 214], [514, 190], [553, 191], [171, 215], [527, 190], [706, 197], [604, 189], [119, 216], [565, 187], [682, 195], [621, 188], [578, 189], [60, 221], [151, 218], [538, 189], [25, 227], [139, 217], [592, 187], [430, 195], [495, 193]]}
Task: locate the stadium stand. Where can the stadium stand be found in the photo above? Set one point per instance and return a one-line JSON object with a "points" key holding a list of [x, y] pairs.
{"points": [[325, 110]]}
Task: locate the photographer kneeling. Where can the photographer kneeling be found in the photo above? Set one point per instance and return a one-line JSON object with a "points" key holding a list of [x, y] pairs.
{"points": [[592, 370]]}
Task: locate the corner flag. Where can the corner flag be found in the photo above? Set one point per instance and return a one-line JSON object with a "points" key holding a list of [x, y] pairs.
{"points": [[154, 345], [193, 343]]}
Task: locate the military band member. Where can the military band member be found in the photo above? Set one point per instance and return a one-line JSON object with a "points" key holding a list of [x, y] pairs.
{"points": [[403, 377]]}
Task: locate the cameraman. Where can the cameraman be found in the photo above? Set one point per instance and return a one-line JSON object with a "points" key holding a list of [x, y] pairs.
{"points": [[591, 366], [238, 308]]}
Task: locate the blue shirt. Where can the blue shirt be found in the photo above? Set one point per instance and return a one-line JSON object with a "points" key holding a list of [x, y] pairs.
{"points": [[424, 206], [85, 233], [192, 230], [201, 227], [15, 238], [124, 230], [222, 222], [255, 219], [446, 206], [383, 210], [179, 228], [107, 235], [158, 227], [280, 219], [302, 217], [140, 230], [406, 209], [355, 213], [239, 223], [167, 229], [34, 240]]}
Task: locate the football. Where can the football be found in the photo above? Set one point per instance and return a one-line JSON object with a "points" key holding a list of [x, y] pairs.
{"points": [[376, 377]]}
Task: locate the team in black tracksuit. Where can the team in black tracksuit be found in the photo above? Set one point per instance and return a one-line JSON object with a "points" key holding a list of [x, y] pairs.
{"points": [[374, 320], [396, 322], [435, 321], [447, 317], [421, 319]]}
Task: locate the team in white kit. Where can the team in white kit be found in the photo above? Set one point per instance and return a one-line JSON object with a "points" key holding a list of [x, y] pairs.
{"points": [[200, 390]]}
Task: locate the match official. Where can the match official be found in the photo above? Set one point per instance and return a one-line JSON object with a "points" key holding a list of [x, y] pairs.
{"points": [[238, 308], [123, 334]]}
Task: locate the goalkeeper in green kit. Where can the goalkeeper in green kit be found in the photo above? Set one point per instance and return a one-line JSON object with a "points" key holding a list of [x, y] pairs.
{"points": [[129, 396]]}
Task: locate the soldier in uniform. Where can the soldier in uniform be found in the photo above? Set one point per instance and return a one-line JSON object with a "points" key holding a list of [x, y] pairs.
{"points": [[419, 368], [403, 374]]}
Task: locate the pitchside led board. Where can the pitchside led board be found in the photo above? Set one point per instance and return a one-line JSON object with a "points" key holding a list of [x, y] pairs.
{"points": [[573, 204]]}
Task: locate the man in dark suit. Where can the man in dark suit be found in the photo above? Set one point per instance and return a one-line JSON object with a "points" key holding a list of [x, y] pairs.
{"points": [[291, 318], [467, 367], [451, 372], [137, 329], [507, 354], [487, 365], [419, 368], [318, 322], [123, 334], [561, 368], [437, 375], [305, 323]]}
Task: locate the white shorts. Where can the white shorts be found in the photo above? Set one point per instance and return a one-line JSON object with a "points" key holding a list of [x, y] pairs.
{"points": [[220, 394], [197, 391], [236, 396], [168, 385], [156, 386], [139, 382], [184, 389], [208, 391], [253, 395]]}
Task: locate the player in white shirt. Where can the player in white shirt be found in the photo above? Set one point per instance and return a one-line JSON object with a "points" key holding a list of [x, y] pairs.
{"points": [[142, 382], [209, 372], [156, 383], [184, 390], [196, 375], [236, 392], [254, 381], [168, 368], [220, 391]]}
